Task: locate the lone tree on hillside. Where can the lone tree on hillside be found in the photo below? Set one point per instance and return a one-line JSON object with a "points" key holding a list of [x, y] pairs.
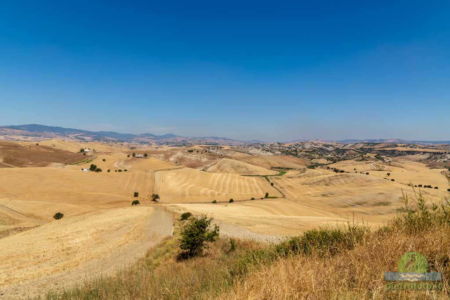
{"points": [[58, 216], [266, 195], [136, 194], [231, 200], [155, 197], [195, 233], [135, 202]]}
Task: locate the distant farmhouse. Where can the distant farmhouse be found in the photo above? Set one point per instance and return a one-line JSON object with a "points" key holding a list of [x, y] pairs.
{"points": [[85, 150]]}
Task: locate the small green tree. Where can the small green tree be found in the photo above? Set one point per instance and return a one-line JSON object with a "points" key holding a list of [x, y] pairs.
{"points": [[155, 197], [185, 216], [135, 202], [231, 200], [92, 167], [195, 234], [266, 195], [58, 216]]}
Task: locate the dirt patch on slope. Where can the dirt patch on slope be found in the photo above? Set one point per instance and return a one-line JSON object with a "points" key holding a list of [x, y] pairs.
{"points": [[34, 155]]}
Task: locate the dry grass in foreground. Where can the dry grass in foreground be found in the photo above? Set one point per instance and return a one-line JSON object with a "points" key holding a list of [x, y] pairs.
{"points": [[346, 263]]}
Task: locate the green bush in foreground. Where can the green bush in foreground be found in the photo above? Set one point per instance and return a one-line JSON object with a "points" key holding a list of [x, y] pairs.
{"points": [[324, 242], [194, 236], [420, 216]]}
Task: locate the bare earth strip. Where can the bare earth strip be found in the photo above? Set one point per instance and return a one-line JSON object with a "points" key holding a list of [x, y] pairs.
{"points": [[78, 248]]}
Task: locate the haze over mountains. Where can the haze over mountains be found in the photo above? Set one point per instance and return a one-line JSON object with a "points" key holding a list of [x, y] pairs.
{"points": [[39, 132]]}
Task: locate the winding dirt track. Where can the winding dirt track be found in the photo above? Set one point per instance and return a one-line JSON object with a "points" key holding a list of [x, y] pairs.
{"points": [[65, 252]]}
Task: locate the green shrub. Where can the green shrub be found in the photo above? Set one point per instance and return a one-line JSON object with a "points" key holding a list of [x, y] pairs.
{"points": [[195, 234], [135, 202], [214, 201], [155, 197], [58, 216], [323, 241], [420, 216], [185, 216], [231, 200], [136, 194], [266, 195], [232, 246]]}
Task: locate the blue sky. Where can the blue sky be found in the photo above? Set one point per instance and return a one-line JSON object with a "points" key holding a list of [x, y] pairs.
{"points": [[270, 70]]}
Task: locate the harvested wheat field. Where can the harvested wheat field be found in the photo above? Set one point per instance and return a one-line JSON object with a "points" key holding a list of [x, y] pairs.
{"points": [[190, 185], [34, 155], [67, 185], [271, 217], [75, 146], [274, 197], [227, 165], [400, 170], [67, 251], [274, 161]]}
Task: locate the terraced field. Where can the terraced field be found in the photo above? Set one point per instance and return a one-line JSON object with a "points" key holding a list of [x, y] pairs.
{"points": [[227, 165], [190, 185]]}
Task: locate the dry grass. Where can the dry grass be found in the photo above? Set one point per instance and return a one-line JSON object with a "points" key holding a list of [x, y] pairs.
{"points": [[346, 263], [161, 276], [358, 273]]}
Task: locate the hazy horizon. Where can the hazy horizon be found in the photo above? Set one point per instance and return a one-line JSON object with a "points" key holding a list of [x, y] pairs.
{"points": [[271, 71], [225, 137]]}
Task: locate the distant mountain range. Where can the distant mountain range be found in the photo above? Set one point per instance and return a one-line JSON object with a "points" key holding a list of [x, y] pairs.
{"points": [[35, 132]]}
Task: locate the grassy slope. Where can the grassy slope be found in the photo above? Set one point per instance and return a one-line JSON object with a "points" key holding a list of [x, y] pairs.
{"points": [[321, 264]]}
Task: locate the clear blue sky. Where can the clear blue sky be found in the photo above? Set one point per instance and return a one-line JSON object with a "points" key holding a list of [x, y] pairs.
{"points": [[271, 70]]}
